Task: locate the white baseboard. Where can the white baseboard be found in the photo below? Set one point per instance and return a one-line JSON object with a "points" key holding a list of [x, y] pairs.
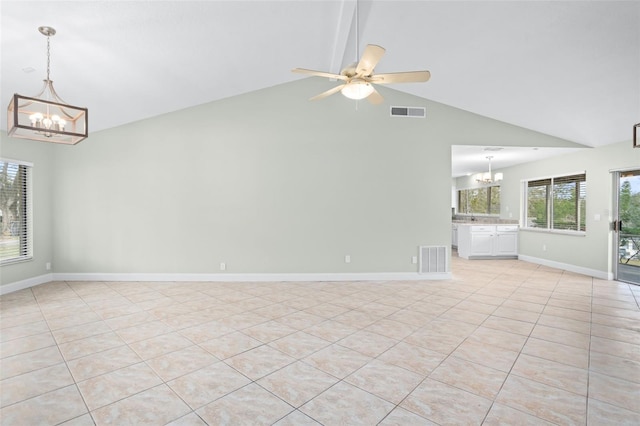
{"points": [[29, 282], [277, 277], [568, 267], [283, 277], [255, 277]]}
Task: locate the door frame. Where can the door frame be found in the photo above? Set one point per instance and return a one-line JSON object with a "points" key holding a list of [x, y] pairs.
{"points": [[615, 235]]}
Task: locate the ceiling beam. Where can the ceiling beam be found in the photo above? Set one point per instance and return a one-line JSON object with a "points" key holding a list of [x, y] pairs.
{"points": [[343, 30]]}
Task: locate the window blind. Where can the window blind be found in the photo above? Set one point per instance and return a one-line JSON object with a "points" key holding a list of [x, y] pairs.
{"points": [[15, 211], [569, 197], [557, 202]]}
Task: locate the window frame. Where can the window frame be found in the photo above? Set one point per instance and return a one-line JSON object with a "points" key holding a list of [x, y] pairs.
{"points": [[487, 212], [550, 183], [25, 241]]}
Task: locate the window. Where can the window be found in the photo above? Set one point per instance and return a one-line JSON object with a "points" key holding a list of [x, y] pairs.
{"points": [[557, 203], [15, 211], [485, 200]]}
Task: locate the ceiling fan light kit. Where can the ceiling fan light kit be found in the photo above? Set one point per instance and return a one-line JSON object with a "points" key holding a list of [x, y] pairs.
{"points": [[46, 117], [357, 89]]}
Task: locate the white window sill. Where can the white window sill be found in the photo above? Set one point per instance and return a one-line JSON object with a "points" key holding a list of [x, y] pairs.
{"points": [[15, 260], [556, 231]]}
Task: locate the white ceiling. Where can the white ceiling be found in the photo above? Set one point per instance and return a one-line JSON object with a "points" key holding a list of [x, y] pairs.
{"points": [[472, 159], [570, 69]]}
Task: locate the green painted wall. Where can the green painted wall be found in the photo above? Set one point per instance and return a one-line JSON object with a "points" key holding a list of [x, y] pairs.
{"points": [[592, 251], [265, 182]]}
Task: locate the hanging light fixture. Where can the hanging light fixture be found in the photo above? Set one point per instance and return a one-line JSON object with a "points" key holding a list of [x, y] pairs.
{"points": [[45, 116], [488, 177], [357, 89]]}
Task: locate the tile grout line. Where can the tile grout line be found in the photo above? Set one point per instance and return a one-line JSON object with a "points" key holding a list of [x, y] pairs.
{"points": [[589, 355], [436, 293], [75, 383]]}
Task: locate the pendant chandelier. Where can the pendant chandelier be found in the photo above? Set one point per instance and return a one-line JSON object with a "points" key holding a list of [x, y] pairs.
{"points": [[45, 116], [488, 177]]}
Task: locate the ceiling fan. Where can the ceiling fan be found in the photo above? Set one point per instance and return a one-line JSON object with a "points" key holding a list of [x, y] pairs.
{"points": [[359, 78]]}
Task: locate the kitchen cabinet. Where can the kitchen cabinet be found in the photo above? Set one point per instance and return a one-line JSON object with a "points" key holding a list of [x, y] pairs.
{"points": [[487, 241], [454, 235], [506, 242]]}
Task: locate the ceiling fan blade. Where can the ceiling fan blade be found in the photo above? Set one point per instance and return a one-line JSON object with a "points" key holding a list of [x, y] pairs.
{"points": [[319, 73], [370, 58], [401, 77], [327, 93], [375, 97]]}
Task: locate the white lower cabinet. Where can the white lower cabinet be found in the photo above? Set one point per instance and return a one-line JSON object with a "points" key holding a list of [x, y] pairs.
{"points": [[481, 244], [506, 242], [482, 241], [454, 235]]}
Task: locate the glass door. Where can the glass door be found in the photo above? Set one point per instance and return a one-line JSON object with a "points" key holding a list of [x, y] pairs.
{"points": [[626, 226]]}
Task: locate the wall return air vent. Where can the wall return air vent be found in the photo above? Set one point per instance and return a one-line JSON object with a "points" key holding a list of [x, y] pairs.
{"points": [[414, 112], [433, 259]]}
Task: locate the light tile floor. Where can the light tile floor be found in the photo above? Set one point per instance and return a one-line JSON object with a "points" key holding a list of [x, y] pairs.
{"points": [[504, 342]]}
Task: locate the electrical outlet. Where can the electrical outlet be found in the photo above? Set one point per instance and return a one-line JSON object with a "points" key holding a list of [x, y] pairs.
{"points": [[47, 266], [223, 266], [544, 247], [414, 259], [347, 259]]}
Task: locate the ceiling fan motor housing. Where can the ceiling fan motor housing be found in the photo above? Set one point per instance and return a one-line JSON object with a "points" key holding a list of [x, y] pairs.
{"points": [[350, 70]]}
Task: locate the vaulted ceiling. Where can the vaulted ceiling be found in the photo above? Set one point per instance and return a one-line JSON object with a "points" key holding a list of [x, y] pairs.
{"points": [[570, 69]]}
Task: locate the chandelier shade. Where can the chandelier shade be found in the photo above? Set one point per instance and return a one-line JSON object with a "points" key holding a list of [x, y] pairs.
{"points": [[357, 89], [46, 117], [46, 121]]}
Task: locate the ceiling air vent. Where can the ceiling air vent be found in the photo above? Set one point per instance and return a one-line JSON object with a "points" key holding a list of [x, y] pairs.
{"points": [[416, 112]]}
